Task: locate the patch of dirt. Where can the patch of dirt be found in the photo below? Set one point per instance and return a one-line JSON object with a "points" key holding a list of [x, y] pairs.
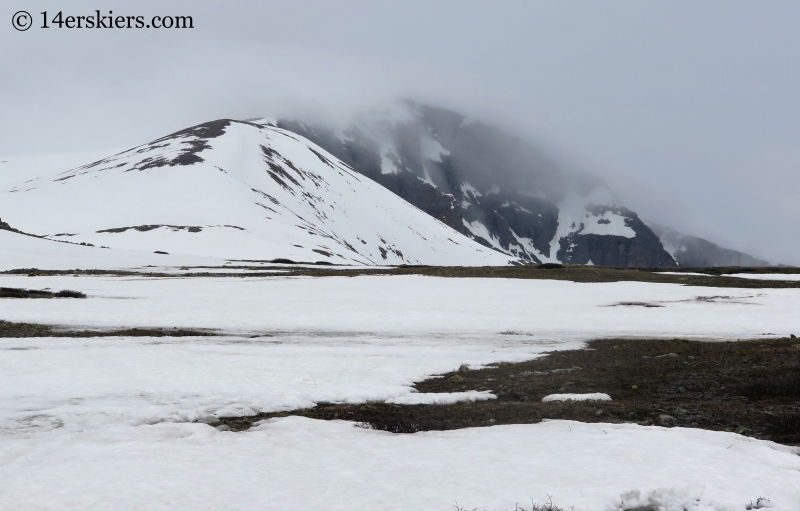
{"points": [[749, 387], [15, 292], [9, 329]]}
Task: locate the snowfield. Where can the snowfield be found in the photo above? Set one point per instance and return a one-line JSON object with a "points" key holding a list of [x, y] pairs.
{"points": [[83, 384], [397, 306], [106, 423], [299, 464]]}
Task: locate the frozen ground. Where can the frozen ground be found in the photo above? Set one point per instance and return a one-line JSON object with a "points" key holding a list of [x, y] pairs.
{"points": [[101, 423]]}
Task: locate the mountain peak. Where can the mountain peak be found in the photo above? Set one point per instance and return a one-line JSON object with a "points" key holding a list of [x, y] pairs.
{"points": [[237, 190]]}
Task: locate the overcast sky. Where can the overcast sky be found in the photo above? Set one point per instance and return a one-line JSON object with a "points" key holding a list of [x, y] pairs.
{"points": [[690, 110]]}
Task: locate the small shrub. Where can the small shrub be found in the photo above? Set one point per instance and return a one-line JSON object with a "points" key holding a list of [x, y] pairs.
{"points": [[535, 506], [69, 293], [396, 426]]}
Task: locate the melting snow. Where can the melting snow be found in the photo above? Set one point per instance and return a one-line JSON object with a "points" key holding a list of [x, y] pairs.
{"points": [[100, 423], [441, 398]]}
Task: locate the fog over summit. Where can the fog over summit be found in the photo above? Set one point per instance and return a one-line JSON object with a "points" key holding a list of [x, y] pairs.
{"points": [[504, 192], [688, 111]]}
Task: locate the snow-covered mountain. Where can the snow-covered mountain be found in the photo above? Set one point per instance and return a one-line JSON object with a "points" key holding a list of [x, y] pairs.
{"points": [[236, 190], [491, 186], [419, 185]]}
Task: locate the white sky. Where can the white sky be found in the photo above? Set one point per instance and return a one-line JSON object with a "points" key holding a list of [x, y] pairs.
{"points": [[689, 109]]}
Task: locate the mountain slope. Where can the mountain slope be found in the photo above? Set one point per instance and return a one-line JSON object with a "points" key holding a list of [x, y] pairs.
{"points": [[22, 251], [691, 251], [236, 190], [492, 187]]}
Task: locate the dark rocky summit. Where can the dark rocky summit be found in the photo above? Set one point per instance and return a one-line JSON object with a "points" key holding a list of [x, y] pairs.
{"points": [[491, 186]]}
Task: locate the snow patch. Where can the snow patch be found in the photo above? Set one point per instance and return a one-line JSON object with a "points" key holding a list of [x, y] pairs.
{"points": [[480, 230], [466, 187], [608, 223], [574, 216], [531, 249], [432, 149], [445, 398], [597, 396]]}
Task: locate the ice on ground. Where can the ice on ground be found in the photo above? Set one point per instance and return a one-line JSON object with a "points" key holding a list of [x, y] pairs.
{"points": [[298, 464], [442, 398], [596, 396]]}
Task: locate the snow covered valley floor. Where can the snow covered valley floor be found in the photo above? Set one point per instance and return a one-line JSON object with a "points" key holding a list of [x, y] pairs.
{"points": [[126, 422]]}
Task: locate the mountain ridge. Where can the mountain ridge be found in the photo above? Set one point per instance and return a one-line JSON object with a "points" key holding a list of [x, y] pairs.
{"points": [[502, 191], [692, 251], [450, 191]]}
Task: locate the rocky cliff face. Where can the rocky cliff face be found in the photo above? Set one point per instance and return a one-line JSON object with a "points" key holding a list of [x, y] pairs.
{"points": [[614, 250], [492, 187]]}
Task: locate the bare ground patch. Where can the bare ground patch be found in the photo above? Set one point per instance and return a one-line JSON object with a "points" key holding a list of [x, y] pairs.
{"points": [[9, 329], [16, 292], [749, 387]]}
